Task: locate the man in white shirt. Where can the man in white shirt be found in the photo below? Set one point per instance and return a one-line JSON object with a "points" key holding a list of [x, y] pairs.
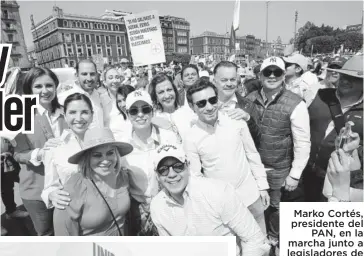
{"points": [[224, 149], [87, 81], [195, 206]]}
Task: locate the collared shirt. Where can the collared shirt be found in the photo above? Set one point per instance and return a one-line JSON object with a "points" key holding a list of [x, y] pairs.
{"points": [[143, 182], [57, 168], [55, 126], [97, 103], [228, 105], [345, 109], [300, 126], [227, 152], [211, 208]]}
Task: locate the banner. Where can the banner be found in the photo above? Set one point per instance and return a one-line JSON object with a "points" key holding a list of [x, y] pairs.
{"points": [[99, 61], [145, 38]]}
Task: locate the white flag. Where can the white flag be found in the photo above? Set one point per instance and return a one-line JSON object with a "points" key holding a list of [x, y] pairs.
{"points": [[236, 15]]}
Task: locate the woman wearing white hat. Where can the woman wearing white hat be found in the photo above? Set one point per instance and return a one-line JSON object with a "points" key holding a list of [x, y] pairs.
{"points": [[145, 138], [99, 191], [78, 115]]}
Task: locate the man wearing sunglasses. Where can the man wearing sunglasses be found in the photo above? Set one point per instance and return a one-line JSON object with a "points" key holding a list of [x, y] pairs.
{"points": [[285, 133], [195, 206], [223, 149]]}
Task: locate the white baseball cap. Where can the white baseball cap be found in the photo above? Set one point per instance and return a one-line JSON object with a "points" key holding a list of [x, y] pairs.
{"points": [[298, 59], [138, 95], [273, 61], [168, 150]]}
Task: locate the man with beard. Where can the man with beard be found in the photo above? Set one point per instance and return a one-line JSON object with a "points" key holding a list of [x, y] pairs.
{"points": [[329, 112]]}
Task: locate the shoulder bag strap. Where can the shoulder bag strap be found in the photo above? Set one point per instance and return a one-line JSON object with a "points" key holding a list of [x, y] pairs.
{"points": [[335, 110], [112, 214]]}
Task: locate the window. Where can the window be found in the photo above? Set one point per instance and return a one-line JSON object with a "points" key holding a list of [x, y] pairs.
{"points": [[118, 40], [98, 39], [120, 51], [88, 38], [72, 63], [99, 49], [89, 50], [117, 27], [86, 25], [73, 24], [170, 31], [108, 50], [107, 39], [170, 39], [69, 49], [78, 38], [65, 23], [79, 50], [11, 37]]}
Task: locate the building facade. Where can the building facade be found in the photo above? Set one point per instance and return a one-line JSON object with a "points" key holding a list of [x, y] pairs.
{"points": [[12, 33], [211, 43], [64, 39]]}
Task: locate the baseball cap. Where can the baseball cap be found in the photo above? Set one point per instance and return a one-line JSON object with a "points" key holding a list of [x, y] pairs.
{"points": [[168, 150], [298, 59], [123, 60], [137, 95], [273, 61], [337, 62]]}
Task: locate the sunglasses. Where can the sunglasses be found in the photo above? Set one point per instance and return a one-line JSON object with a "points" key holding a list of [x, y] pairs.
{"points": [[276, 72], [144, 110], [164, 170], [202, 103]]}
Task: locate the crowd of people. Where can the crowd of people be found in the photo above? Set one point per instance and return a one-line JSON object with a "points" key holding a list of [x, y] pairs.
{"points": [[187, 149]]}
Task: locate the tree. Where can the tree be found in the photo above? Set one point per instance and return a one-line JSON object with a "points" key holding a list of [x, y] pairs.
{"points": [[350, 40], [321, 44]]}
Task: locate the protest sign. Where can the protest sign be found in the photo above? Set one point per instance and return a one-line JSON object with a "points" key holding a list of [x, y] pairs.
{"points": [[145, 38], [99, 61]]}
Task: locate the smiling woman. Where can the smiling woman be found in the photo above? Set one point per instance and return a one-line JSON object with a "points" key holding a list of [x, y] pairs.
{"points": [[99, 191], [49, 123]]}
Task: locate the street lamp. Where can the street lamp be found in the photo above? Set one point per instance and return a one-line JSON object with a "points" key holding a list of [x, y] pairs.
{"points": [[295, 27], [266, 27]]}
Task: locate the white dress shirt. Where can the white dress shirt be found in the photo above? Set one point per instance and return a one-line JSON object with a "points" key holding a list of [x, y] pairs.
{"points": [[226, 151], [56, 166], [300, 126], [53, 121], [211, 208]]}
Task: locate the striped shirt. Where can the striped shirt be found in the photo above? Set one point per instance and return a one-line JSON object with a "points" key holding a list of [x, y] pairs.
{"points": [[211, 208]]}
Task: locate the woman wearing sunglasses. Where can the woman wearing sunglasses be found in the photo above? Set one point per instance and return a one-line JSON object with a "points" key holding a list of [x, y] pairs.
{"points": [[165, 98], [78, 114], [99, 191], [145, 138]]}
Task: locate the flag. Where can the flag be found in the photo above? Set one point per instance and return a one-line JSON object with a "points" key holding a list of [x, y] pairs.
{"points": [[211, 58], [235, 24], [342, 48]]}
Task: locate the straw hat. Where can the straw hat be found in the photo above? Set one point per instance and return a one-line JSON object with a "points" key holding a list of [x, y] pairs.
{"points": [[353, 67], [95, 137]]}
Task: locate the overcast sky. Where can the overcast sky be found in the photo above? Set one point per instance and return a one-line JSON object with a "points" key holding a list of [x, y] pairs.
{"points": [[214, 15], [119, 249]]}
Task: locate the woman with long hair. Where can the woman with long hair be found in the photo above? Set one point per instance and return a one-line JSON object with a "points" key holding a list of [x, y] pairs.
{"points": [[99, 190], [165, 98], [78, 113], [49, 124], [119, 123]]}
